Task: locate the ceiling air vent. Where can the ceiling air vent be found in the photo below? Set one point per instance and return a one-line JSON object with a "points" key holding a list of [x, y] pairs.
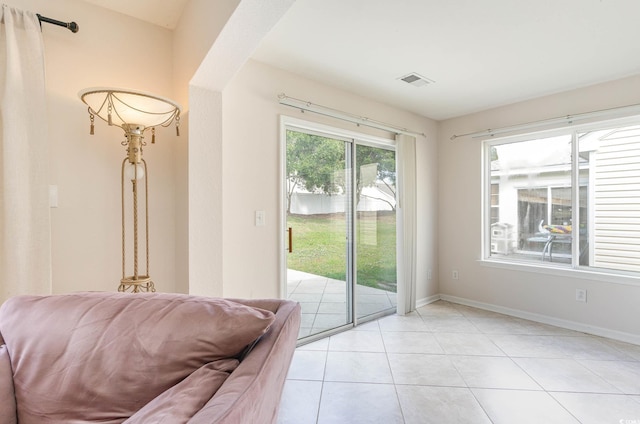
{"points": [[416, 80]]}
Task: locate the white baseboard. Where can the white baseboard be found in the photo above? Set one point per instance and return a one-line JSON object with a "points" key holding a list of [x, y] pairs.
{"points": [[426, 300], [544, 319]]}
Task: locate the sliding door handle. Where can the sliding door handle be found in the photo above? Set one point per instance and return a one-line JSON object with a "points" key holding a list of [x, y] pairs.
{"points": [[290, 231]]}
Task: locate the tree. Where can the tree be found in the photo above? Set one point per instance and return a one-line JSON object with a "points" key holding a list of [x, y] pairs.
{"points": [[385, 172], [315, 163], [311, 164]]}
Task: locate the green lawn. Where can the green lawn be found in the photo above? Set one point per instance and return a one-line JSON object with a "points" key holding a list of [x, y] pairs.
{"points": [[320, 246]]}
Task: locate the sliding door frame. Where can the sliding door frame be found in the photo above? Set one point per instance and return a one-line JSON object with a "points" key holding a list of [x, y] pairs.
{"points": [[356, 138]]}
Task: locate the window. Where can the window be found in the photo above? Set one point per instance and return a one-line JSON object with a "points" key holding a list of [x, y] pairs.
{"points": [[495, 203], [569, 198]]}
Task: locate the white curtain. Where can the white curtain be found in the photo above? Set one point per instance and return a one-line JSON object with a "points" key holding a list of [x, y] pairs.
{"points": [[406, 219], [25, 246]]}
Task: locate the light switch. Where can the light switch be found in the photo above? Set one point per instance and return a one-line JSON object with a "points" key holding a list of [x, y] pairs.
{"points": [[260, 218], [53, 196]]}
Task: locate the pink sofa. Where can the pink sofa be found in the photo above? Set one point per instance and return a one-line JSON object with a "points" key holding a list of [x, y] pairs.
{"points": [[144, 358]]}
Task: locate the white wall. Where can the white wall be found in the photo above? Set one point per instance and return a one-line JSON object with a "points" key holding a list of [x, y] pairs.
{"points": [[251, 173], [235, 43], [611, 308], [109, 50], [198, 28], [205, 220]]}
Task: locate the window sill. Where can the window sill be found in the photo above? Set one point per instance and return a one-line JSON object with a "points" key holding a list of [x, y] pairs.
{"points": [[564, 271]]}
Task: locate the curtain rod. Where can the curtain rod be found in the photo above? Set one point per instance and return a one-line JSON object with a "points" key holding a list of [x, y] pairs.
{"points": [[71, 26], [568, 119], [334, 113]]}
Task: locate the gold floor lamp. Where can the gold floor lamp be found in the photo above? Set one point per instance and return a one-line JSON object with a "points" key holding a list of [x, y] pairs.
{"points": [[135, 112]]}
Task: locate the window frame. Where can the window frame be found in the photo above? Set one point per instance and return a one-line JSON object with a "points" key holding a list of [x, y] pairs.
{"points": [[574, 268]]}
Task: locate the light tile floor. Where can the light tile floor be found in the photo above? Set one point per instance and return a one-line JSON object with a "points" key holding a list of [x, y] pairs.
{"points": [[448, 363]]}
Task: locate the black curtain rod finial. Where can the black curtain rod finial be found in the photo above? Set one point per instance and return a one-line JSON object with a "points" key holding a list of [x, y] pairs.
{"points": [[71, 26]]}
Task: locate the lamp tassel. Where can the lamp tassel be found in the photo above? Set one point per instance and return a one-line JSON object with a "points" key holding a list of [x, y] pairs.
{"points": [[153, 135], [178, 124], [91, 118]]}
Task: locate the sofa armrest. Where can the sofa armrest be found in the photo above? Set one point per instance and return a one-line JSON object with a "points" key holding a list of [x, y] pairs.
{"points": [[252, 392], [8, 413]]}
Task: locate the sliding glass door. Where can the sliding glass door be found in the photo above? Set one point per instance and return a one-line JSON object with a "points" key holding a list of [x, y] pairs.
{"points": [[318, 222], [340, 229], [375, 230]]}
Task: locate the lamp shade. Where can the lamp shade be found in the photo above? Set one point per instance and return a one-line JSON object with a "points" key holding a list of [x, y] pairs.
{"points": [[121, 107]]}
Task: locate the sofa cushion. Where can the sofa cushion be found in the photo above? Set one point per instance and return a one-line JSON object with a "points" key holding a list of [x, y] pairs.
{"points": [[181, 402], [7, 396], [102, 356]]}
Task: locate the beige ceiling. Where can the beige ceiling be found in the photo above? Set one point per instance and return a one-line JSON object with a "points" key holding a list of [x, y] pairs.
{"points": [[164, 13], [479, 53]]}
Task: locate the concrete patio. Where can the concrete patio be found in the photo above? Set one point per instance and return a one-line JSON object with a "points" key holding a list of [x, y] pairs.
{"points": [[324, 301]]}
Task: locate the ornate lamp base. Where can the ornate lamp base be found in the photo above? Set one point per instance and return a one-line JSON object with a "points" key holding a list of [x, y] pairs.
{"points": [[136, 285]]}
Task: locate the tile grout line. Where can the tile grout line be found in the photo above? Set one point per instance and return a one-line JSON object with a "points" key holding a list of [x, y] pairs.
{"points": [[393, 379]]}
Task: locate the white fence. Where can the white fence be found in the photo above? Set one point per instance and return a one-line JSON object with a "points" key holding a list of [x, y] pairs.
{"points": [[371, 199]]}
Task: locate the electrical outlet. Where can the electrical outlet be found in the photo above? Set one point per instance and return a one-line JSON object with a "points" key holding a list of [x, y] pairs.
{"points": [[581, 295], [454, 274]]}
